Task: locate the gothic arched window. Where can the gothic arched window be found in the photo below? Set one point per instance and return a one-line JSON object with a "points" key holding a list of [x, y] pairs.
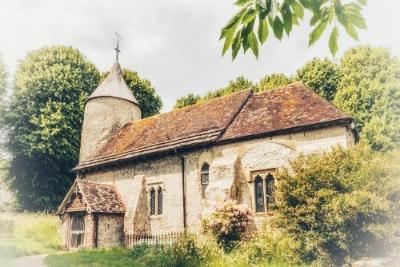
{"points": [[159, 201], [152, 201], [259, 194], [205, 178], [270, 190]]}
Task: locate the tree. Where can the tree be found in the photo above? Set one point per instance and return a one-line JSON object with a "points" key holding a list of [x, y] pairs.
{"points": [[369, 90], [239, 84], [273, 81], [342, 205], [187, 100], [321, 75], [43, 124], [150, 103], [250, 27], [3, 78]]}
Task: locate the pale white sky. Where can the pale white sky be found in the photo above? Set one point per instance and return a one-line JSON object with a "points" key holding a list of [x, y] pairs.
{"points": [[172, 43]]}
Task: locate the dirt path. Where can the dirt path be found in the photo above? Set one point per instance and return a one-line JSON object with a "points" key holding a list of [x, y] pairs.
{"points": [[31, 261]]}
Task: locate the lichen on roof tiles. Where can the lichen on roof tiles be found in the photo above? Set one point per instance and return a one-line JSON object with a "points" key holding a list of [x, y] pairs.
{"points": [[99, 198], [237, 116], [288, 107]]}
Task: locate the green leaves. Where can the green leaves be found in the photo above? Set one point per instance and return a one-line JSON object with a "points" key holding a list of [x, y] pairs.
{"points": [[263, 31], [253, 43], [333, 41], [317, 32], [255, 18], [278, 28]]}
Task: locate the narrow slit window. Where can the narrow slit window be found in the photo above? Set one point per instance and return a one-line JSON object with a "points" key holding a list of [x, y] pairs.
{"points": [[159, 201], [270, 190], [205, 179], [259, 194], [77, 231], [152, 201]]}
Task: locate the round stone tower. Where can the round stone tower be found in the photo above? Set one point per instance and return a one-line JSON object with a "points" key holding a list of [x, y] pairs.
{"points": [[108, 108]]}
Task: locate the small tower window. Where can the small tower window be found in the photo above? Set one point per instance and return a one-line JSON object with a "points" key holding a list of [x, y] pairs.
{"points": [[152, 201], [159, 201], [259, 194], [205, 178], [270, 190]]}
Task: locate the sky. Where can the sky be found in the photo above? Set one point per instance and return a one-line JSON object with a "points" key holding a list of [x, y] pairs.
{"points": [[174, 44]]}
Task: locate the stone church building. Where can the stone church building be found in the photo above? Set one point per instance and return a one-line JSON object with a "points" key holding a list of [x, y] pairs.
{"points": [[164, 173]]}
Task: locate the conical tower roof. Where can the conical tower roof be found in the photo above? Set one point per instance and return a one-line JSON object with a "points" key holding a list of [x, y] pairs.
{"points": [[114, 85]]}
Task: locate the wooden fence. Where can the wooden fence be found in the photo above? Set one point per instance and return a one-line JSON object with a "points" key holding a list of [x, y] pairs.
{"points": [[152, 240], [7, 229]]}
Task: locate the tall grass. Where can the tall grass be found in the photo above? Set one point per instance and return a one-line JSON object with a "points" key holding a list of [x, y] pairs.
{"points": [[265, 250], [35, 233]]}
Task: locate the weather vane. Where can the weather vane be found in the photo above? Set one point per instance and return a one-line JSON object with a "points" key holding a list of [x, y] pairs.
{"points": [[118, 39]]}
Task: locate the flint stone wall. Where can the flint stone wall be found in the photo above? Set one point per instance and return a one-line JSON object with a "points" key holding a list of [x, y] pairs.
{"points": [[232, 168]]}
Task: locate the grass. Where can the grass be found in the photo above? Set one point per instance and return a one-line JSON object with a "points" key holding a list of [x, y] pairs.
{"points": [[190, 251], [93, 258], [123, 257], [35, 233]]}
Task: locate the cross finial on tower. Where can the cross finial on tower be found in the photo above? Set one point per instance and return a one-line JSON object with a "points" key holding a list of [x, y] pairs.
{"points": [[117, 40]]}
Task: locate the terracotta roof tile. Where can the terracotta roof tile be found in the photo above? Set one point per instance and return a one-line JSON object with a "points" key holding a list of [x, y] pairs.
{"points": [[101, 198], [193, 125], [241, 115], [289, 107]]}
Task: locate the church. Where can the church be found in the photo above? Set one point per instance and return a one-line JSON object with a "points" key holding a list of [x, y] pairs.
{"points": [[165, 173]]}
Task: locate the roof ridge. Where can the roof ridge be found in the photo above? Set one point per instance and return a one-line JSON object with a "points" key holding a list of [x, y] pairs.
{"points": [[249, 95], [92, 182]]}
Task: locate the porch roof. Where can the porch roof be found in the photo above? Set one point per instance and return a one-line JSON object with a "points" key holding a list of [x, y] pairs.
{"points": [[99, 198]]}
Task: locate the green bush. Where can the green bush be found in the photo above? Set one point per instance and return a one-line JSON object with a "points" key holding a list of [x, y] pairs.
{"points": [[189, 250], [267, 247], [341, 205], [229, 224]]}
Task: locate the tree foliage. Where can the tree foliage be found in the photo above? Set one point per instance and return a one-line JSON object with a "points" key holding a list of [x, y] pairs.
{"points": [[370, 91], [273, 81], [43, 124], [187, 100], [239, 84], [3, 78], [321, 75], [257, 19], [341, 205]]}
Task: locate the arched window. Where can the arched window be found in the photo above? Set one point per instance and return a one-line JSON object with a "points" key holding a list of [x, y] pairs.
{"points": [[259, 194], [270, 190], [152, 201], [205, 178], [159, 201]]}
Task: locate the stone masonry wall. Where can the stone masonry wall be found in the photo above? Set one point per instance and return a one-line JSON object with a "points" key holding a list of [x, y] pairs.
{"points": [[110, 231], [231, 170], [103, 117]]}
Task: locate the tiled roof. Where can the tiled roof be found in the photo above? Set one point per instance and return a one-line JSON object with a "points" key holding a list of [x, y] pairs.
{"points": [[290, 107], [189, 126], [100, 198], [238, 116]]}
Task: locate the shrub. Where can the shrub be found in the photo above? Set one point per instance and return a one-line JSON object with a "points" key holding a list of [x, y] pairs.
{"points": [[341, 205], [190, 250], [267, 247], [229, 224]]}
